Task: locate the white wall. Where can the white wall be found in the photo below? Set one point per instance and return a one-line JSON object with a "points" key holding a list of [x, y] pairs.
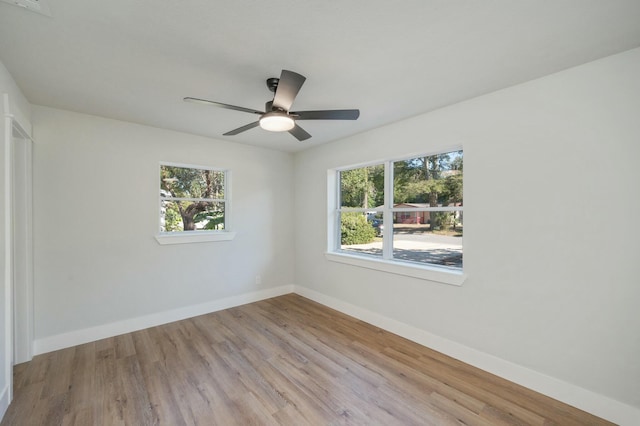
{"points": [[96, 184], [21, 110], [551, 240]]}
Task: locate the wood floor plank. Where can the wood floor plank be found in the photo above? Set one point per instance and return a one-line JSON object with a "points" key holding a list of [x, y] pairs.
{"points": [[133, 393], [280, 361], [309, 408], [58, 377], [107, 387], [289, 415], [161, 395], [124, 346], [465, 415], [249, 375]]}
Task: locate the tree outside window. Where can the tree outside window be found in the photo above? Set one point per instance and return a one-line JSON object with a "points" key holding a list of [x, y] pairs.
{"points": [[192, 198]]}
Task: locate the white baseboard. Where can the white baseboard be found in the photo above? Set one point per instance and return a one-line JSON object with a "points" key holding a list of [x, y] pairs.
{"points": [[578, 397], [86, 335], [4, 401]]}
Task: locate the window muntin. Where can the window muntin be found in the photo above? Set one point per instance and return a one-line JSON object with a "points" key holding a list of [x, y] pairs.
{"points": [[192, 198], [420, 224]]}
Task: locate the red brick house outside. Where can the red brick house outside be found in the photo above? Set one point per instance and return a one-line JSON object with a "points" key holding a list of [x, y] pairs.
{"points": [[412, 217]]}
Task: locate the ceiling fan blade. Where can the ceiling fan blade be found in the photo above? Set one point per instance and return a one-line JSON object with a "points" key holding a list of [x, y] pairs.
{"points": [[288, 88], [335, 114], [242, 129], [299, 133], [221, 105]]}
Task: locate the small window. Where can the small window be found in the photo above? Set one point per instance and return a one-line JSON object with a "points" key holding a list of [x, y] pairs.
{"points": [[193, 199], [407, 211]]}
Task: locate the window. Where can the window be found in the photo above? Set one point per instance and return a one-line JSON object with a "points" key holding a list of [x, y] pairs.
{"points": [[406, 213], [193, 200]]}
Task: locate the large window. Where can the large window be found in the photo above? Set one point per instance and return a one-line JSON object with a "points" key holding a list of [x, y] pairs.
{"points": [[408, 211], [192, 199]]}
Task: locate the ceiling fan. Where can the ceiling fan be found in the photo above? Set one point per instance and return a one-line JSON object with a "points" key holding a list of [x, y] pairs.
{"points": [[277, 116]]}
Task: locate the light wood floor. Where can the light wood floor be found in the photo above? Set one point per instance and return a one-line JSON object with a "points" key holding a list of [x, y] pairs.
{"points": [[282, 361]]}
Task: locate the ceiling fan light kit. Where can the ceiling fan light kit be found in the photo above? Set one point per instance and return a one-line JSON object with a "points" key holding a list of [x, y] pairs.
{"points": [[277, 116], [276, 121]]}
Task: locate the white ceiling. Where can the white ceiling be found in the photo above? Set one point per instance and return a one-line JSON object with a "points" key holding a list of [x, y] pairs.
{"points": [[136, 60]]}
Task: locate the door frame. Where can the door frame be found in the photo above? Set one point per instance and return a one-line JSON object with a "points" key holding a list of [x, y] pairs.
{"points": [[15, 123], [22, 243]]}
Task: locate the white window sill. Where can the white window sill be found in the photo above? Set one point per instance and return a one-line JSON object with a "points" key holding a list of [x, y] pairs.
{"points": [[194, 237], [430, 273]]}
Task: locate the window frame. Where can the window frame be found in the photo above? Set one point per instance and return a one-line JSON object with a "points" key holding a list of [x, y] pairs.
{"points": [[386, 262], [183, 237]]}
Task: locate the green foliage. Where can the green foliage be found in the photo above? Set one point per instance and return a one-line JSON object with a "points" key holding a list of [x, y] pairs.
{"points": [[363, 187], [457, 162], [441, 220], [172, 218], [435, 179], [453, 188], [355, 229], [178, 183], [214, 219], [185, 182], [376, 176]]}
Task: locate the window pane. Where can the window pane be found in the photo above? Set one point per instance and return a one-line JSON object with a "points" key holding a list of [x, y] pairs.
{"points": [[184, 182], [361, 233], [428, 181], [177, 216], [416, 242], [363, 187]]}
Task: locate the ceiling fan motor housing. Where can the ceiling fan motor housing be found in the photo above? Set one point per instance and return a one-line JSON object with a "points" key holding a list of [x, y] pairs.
{"points": [[272, 84], [268, 106]]}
